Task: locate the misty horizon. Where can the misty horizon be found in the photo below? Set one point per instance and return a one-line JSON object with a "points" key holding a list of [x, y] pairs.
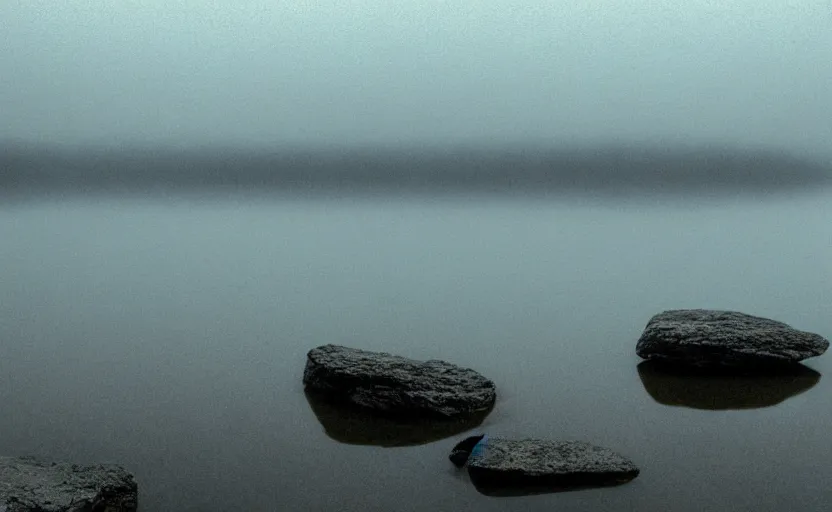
{"points": [[258, 75], [611, 168]]}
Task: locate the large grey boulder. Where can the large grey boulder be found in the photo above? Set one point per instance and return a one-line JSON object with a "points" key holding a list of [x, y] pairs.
{"points": [[31, 485], [709, 338], [387, 383], [499, 462]]}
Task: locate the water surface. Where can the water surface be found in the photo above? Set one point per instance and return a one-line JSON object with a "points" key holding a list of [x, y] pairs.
{"points": [[169, 334]]}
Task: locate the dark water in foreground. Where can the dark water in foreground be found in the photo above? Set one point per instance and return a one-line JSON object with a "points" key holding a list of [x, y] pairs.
{"points": [[169, 334]]}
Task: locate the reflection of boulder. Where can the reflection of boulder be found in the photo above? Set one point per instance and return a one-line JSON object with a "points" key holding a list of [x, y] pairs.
{"points": [[392, 384], [714, 338], [516, 467], [682, 386], [351, 425]]}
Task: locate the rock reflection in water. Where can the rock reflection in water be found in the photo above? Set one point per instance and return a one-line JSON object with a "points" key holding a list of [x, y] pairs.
{"points": [[351, 425], [494, 490], [677, 386], [504, 486]]}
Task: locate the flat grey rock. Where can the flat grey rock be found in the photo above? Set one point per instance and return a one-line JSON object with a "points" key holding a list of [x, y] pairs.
{"points": [[387, 383], [709, 338], [501, 462], [31, 485]]}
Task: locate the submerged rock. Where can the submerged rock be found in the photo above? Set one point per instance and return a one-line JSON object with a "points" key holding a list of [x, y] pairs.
{"points": [[495, 463], [30, 485], [707, 338], [393, 384]]}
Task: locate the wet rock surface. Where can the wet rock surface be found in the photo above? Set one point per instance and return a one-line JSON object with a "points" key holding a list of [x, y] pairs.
{"points": [[715, 338], [32, 485], [498, 464], [386, 383], [720, 390]]}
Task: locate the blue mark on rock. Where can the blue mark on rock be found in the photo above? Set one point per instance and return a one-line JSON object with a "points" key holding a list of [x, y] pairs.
{"points": [[479, 448]]}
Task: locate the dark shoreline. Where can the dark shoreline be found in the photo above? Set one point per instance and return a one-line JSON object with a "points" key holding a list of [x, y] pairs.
{"points": [[603, 169]]}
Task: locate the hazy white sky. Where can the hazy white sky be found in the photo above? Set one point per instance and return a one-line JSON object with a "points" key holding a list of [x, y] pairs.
{"points": [[267, 72]]}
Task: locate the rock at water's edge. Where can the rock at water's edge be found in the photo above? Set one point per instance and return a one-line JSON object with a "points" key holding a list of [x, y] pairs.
{"points": [[393, 384], [31, 485], [707, 338], [501, 462]]}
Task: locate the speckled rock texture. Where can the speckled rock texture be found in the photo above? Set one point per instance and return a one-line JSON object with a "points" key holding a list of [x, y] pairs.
{"points": [[497, 461], [392, 384], [709, 338], [31, 485]]}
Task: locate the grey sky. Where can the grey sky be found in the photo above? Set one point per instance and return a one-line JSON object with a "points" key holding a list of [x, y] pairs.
{"points": [[266, 72]]}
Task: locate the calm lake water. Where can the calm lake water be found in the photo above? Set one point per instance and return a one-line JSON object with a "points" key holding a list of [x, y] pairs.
{"points": [[169, 334]]}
